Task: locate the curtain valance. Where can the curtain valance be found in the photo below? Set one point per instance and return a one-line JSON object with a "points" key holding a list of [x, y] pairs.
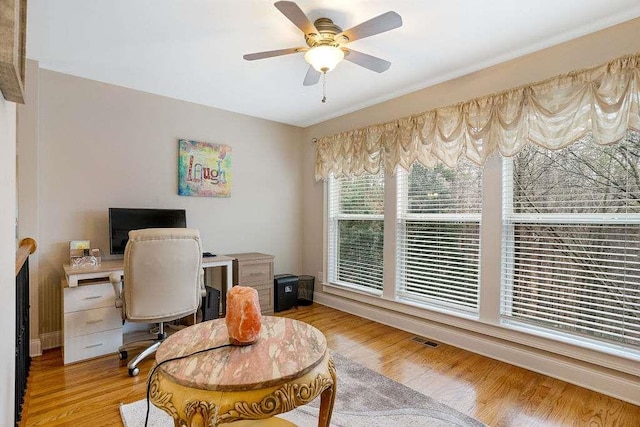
{"points": [[554, 113]]}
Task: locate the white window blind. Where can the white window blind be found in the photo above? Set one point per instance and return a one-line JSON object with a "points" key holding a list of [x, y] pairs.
{"points": [[438, 240], [356, 232], [571, 240]]}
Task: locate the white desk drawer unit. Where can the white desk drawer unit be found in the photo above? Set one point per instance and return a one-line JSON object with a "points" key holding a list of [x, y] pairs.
{"points": [[92, 323], [92, 345], [88, 297]]}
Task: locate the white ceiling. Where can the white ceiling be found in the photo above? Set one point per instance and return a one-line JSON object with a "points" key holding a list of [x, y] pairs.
{"points": [[192, 49]]}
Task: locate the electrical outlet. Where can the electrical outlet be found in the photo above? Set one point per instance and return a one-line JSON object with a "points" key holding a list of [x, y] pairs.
{"points": [[320, 277]]}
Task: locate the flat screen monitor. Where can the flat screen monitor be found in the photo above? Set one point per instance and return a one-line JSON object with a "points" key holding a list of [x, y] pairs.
{"points": [[122, 220]]}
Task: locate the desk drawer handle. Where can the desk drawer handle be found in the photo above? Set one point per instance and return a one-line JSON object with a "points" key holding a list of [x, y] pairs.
{"points": [[256, 274], [89, 322], [94, 345], [94, 297]]}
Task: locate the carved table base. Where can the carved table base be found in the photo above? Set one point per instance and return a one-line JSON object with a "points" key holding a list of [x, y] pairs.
{"points": [[197, 407]]}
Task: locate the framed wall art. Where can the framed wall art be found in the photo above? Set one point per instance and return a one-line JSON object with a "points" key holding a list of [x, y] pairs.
{"points": [[13, 41], [204, 169]]}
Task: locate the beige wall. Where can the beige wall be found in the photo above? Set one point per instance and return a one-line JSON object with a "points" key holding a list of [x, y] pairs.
{"points": [[7, 257], [102, 146], [584, 52]]}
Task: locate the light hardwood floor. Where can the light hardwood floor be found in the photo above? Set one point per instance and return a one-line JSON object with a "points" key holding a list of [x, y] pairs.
{"points": [[89, 393]]}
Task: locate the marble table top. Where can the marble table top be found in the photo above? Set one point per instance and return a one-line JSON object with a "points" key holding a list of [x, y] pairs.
{"points": [[286, 349]]}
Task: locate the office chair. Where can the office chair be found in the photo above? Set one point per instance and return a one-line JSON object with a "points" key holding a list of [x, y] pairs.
{"points": [[163, 281]]}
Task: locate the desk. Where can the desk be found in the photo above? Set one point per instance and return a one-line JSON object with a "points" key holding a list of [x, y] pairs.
{"points": [[83, 275], [92, 323], [287, 367]]}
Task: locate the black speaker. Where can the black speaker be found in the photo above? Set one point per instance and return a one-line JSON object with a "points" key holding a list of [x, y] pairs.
{"points": [[211, 304], [285, 288]]}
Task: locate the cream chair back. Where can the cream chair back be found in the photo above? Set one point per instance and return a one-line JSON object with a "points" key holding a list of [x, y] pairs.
{"points": [[162, 274]]}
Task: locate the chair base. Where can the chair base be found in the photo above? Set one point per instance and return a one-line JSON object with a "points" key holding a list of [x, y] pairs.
{"points": [[133, 363], [151, 345]]}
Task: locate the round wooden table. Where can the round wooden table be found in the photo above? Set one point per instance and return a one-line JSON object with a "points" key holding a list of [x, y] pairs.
{"points": [[287, 367]]}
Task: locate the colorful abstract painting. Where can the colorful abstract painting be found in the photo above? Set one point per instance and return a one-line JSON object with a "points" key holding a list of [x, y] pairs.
{"points": [[204, 169]]}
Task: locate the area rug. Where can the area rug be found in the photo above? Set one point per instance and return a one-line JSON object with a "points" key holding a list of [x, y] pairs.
{"points": [[365, 399]]}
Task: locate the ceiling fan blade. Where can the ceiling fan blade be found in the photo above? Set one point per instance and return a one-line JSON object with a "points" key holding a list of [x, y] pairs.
{"points": [[296, 15], [372, 63], [312, 77], [379, 24], [271, 53]]}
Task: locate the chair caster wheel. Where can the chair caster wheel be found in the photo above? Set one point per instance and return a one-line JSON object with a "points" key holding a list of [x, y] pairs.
{"points": [[134, 372], [124, 355]]}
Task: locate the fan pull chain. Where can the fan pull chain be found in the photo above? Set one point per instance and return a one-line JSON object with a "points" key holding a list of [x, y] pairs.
{"points": [[324, 87]]}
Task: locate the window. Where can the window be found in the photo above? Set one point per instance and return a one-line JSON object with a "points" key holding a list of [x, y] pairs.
{"points": [[356, 232], [571, 240], [565, 264], [439, 235]]}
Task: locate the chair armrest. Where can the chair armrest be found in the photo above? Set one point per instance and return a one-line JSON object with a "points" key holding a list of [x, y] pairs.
{"points": [[116, 282], [203, 291]]}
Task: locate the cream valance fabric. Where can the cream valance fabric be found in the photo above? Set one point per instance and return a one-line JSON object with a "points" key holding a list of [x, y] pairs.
{"points": [[604, 100]]}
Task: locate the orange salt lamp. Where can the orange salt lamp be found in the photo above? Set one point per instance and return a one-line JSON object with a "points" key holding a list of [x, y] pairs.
{"points": [[243, 315]]}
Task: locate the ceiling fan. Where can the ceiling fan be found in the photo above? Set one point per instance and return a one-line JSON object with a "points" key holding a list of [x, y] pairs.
{"points": [[326, 42]]}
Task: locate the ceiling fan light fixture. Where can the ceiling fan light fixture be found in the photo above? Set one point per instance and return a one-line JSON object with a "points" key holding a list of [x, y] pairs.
{"points": [[324, 58]]}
